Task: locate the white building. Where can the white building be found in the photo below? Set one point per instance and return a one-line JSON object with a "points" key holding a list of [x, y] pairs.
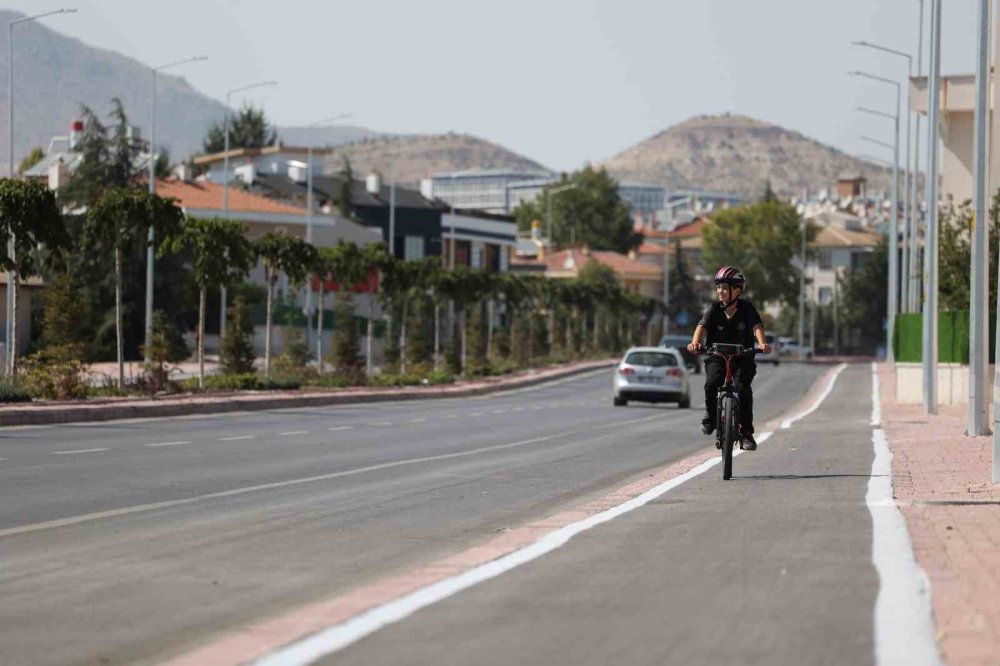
{"points": [[478, 189]]}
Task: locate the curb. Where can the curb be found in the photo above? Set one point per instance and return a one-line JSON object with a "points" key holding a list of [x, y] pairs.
{"points": [[80, 413]]}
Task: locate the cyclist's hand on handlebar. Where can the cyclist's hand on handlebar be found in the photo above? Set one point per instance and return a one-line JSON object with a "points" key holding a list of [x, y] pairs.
{"points": [[765, 348], [695, 347]]}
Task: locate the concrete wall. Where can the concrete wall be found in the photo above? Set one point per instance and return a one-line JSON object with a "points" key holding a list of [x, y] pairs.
{"points": [[952, 383]]}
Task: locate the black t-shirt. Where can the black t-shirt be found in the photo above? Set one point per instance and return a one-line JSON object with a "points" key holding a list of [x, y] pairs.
{"points": [[735, 331]]}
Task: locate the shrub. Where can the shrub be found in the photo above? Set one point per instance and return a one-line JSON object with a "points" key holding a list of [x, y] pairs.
{"points": [[243, 382], [13, 392], [52, 376], [237, 355]]}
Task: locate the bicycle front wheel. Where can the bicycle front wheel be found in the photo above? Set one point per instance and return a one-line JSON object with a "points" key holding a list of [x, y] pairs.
{"points": [[728, 435]]}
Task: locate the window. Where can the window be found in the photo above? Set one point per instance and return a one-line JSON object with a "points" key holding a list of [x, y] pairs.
{"points": [[477, 255], [825, 295], [825, 258], [652, 359], [413, 248]]}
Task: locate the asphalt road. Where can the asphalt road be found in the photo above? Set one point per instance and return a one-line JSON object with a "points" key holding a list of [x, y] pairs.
{"points": [[129, 542]]}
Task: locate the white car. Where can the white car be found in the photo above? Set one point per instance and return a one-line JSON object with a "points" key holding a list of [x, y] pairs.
{"points": [[652, 374], [791, 347], [773, 357]]}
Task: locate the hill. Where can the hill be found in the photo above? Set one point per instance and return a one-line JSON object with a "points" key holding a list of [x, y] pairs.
{"points": [[411, 158], [732, 153], [55, 74]]}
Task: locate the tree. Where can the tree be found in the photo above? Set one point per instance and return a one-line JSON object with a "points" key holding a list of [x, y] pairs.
{"points": [[248, 128], [220, 254], [31, 159], [762, 240], [373, 256], [684, 296], [591, 214], [117, 220], [282, 254], [344, 196], [236, 357], [29, 218], [862, 295], [347, 266], [109, 157]]}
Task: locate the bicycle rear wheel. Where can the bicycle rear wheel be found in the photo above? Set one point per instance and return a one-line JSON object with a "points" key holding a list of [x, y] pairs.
{"points": [[728, 427]]}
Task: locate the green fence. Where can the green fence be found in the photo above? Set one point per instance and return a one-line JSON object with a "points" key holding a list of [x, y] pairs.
{"points": [[953, 337]]}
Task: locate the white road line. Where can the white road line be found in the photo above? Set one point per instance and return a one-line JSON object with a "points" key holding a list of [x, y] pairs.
{"points": [[379, 423], [66, 453], [237, 437], [339, 636], [114, 513], [166, 444], [340, 428], [293, 432], [876, 401], [476, 414], [904, 625], [420, 420], [499, 411], [787, 423]]}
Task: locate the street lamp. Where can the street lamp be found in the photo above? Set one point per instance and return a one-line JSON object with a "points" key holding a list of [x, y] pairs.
{"points": [[309, 214], [909, 271], [10, 351], [549, 193], [150, 255], [903, 269], [225, 184], [893, 221]]}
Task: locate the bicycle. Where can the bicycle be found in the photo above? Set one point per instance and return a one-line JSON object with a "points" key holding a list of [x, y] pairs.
{"points": [[727, 415]]}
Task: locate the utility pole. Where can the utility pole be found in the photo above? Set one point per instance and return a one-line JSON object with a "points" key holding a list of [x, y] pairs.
{"points": [[930, 334]]}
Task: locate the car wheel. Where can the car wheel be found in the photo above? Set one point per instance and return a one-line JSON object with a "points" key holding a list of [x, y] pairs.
{"points": [[620, 402], [684, 402]]}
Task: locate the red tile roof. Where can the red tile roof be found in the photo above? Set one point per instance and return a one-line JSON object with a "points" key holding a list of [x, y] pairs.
{"points": [[692, 228], [208, 196], [573, 260]]}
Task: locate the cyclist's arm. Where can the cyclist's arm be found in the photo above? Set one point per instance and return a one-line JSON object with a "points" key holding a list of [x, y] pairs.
{"points": [[697, 338], [758, 332]]}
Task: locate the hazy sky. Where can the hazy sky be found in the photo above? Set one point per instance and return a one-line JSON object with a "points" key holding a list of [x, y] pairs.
{"points": [[560, 81]]}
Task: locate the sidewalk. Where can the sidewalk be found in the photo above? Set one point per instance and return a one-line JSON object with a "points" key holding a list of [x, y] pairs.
{"points": [[107, 409], [942, 483]]}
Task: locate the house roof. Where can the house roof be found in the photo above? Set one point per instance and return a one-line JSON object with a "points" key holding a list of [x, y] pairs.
{"points": [[208, 196], [212, 158], [834, 237], [568, 263], [650, 248], [693, 228], [329, 187]]}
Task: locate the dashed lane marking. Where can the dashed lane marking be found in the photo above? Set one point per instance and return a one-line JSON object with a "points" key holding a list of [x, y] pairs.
{"points": [[237, 437], [420, 420], [167, 444], [291, 433], [340, 428], [66, 453]]}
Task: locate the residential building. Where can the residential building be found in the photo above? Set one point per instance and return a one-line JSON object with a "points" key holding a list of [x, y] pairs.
{"points": [[478, 189], [842, 244], [644, 199], [246, 163], [635, 276]]}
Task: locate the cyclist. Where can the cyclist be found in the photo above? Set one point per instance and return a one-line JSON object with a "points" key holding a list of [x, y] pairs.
{"points": [[733, 321]]}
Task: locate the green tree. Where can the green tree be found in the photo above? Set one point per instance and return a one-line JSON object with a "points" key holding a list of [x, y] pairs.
{"points": [[862, 300], [117, 220], [763, 240], [684, 296], [282, 254], [248, 128], [347, 266], [346, 341], [236, 356], [344, 196], [31, 159], [220, 254], [591, 214], [29, 218]]}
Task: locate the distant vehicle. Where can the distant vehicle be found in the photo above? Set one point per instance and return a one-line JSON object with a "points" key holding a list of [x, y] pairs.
{"points": [[775, 350], [680, 343], [652, 374], [791, 347]]}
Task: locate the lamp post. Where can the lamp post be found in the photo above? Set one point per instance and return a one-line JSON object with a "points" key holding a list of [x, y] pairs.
{"points": [[914, 208], [309, 216], [10, 351], [801, 210], [930, 333], [151, 238], [225, 185], [893, 221], [909, 216]]}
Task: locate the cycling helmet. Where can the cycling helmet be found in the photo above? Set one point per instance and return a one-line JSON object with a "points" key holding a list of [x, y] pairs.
{"points": [[732, 276]]}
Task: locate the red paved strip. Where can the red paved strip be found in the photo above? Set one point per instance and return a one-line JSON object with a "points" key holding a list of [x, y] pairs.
{"points": [[941, 479]]}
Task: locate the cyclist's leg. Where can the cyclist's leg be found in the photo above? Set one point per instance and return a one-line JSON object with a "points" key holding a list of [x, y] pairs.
{"points": [[715, 375], [745, 373]]}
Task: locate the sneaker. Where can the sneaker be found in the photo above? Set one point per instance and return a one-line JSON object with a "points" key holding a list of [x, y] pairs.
{"points": [[707, 427], [748, 443]]}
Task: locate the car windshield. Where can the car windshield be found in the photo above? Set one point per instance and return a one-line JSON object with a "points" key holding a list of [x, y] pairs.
{"points": [[675, 341], [651, 359]]}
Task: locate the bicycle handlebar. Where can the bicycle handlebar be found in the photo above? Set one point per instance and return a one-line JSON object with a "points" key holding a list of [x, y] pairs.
{"points": [[713, 349]]}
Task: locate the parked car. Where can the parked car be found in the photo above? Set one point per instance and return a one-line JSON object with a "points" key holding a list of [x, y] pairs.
{"points": [[775, 350], [652, 374], [680, 343], [791, 347]]}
